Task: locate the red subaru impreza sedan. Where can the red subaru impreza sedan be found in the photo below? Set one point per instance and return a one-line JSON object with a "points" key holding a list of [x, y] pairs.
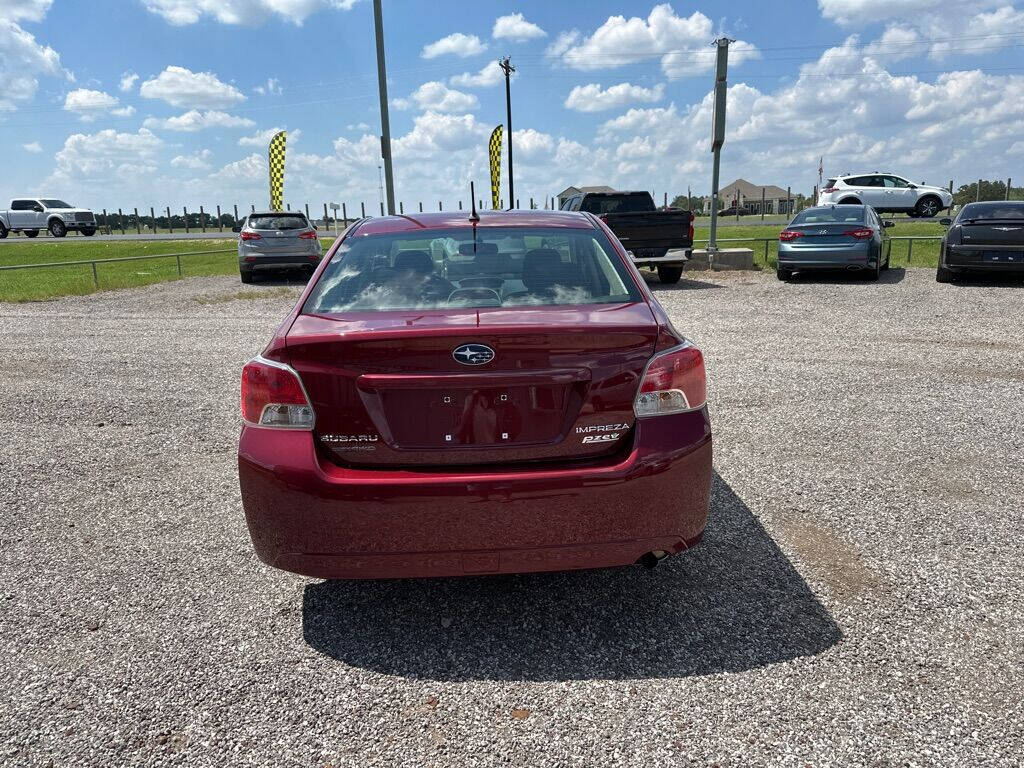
{"points": [[459, 394]]}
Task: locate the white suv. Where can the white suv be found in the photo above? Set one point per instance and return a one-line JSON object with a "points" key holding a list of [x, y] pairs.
{"points": [[886, 193]]}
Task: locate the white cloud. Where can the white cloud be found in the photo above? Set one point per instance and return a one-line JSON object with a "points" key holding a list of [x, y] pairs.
{"points": [[262, 138], [107, 159], [128, 80], [272, 87], [248, 12], [252, 168], [490, 74], [198, 161], [89, 104], [32, 146], [357, 127], [516, 28], [194, 120], [455, 44], [182, 88], [680, 42], [592, 98], [438, 96], [24, 10], [22, 59]]}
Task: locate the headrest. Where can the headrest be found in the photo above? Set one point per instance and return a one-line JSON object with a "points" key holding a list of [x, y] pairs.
{"points": [[467, 249], [414, 261], [543, 268]]}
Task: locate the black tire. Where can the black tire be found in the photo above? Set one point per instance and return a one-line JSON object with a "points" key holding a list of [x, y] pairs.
{"points": [[928, 207], [3, 231], [246, 275], [57, 228], [888, 257], [874, 274], [88, 232], [669, 275], [849, 201], [783, 274], [944, 275], [31, 232]]}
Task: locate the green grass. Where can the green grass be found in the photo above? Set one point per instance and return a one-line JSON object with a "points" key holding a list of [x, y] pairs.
{"points": [[923, 253], [49, 283]]}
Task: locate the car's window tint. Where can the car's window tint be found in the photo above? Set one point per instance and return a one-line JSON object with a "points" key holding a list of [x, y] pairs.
{"points": [[994, 210], [55, 204], [601, 204], [853, 215], [277, 221], [501, 267]]}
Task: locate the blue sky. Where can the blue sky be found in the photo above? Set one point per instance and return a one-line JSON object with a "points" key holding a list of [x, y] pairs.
{"points": [[171, 102]]}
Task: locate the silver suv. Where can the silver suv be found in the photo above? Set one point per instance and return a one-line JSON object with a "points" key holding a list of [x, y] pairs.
{"points": [[274, 240], [886, 193]]}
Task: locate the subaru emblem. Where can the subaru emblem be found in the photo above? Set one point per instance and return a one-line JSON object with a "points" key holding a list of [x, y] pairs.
{"points": [[473, 354]]}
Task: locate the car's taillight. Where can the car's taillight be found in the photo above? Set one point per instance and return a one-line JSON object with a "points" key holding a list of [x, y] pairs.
{"points": [[307, 236], [691, 230], [272, 396], [861, 233], [250, 236], [789, 234], [828, 189], [673, 382]]}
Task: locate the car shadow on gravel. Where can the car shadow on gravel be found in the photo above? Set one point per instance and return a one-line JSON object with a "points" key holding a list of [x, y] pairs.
{"points": [[733, 603], [889, 276]]}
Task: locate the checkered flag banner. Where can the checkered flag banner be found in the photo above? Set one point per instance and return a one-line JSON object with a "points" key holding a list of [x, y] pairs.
{"points": [[494, 149], [277, 171]]}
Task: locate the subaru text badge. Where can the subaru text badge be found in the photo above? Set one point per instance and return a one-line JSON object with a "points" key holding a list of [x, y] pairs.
{"points": [[473, 354]]}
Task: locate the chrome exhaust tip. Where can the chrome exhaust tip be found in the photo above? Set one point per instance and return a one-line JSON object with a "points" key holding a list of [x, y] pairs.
{"points": [[652, 558]]}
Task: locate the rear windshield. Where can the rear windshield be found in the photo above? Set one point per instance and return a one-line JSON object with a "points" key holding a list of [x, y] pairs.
{"points": [[277, 221], [977, 211], [600, 204], [844, 215], [506, 266]]}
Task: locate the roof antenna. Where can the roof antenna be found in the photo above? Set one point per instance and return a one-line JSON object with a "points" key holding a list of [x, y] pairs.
{"points": [[473, 216]]}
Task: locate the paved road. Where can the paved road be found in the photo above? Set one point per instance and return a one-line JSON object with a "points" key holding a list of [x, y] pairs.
{"points": [[857, 599]]}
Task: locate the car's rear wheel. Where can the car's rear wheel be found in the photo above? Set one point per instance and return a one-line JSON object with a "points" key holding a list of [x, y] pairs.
{"points": [[3, 231], [57, 228], [944, 275], [31, 232], [669, 275], [928, 206], [246, 275], [874, 274], [783, 274], [88, 231]]}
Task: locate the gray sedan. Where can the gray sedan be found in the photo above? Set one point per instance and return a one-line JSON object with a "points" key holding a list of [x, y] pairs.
{"points": [[276, 240], [850, 237]]}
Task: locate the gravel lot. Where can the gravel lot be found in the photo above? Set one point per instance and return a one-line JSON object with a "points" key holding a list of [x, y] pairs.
{"points": [[857, 599]]}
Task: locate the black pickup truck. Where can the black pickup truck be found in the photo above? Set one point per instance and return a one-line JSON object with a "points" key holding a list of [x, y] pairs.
{"points": [[661, 240]]}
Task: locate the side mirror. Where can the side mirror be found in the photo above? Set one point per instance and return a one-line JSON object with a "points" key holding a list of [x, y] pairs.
{"points": [[888, 224], [911, 186], [945, 221], [236, 228], [38, 208]]}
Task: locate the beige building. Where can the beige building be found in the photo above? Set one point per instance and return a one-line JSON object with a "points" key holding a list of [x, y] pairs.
{"points": [[750, 196]]}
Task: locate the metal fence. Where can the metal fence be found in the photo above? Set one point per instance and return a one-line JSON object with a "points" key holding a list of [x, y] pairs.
{"points": [[770, 255], [94, 262]]}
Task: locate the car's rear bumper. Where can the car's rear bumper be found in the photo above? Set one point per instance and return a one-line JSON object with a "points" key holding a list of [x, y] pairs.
{"points": [[859, 257], [283, 260], [677, 256], [315, 518], [991, 258]]}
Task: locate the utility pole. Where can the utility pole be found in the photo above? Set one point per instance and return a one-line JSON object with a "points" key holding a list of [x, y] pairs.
{"points": [[508, 69], [385, 123], [718, 135]]}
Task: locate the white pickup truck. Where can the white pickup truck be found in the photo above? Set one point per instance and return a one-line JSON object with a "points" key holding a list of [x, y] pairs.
{"points": [[32, 214]]}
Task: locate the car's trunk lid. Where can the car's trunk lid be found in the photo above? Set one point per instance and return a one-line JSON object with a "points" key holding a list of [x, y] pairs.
{"points": [[833, 234], [993, 232], [388, 391]]}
